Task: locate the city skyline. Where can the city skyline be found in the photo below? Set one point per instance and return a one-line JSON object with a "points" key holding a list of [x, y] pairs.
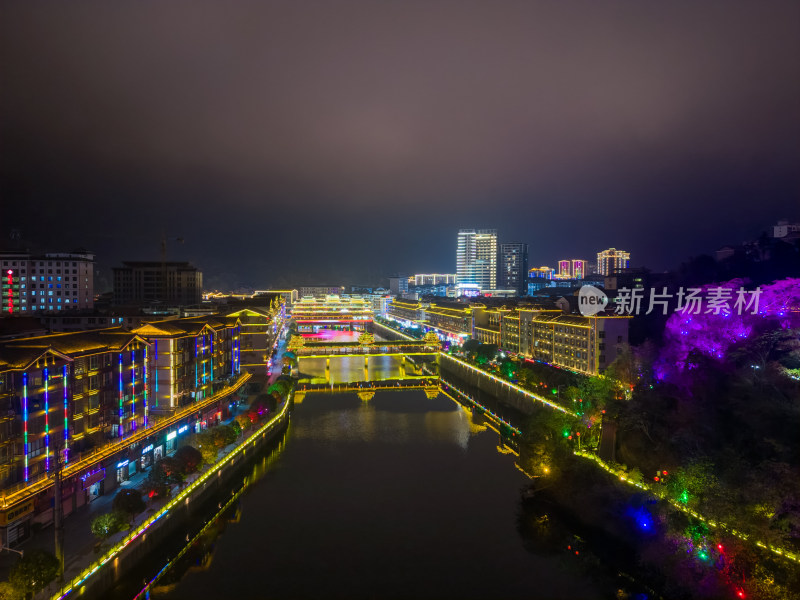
{"points": [[289, 289], [534, 120]]}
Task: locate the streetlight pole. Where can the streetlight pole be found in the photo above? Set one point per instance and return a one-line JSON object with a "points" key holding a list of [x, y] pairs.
{"points": [[58, 515]]}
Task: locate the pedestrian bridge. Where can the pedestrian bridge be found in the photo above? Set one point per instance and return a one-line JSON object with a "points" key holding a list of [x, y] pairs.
{"points": [[366, 389], [383, 348]]}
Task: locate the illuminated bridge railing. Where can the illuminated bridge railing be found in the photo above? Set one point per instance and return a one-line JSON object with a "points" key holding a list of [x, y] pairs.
{"points": [[327, 350], [419, 383]]}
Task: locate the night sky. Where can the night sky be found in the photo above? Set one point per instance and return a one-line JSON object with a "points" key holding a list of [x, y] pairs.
{"points": [[327, 142]]}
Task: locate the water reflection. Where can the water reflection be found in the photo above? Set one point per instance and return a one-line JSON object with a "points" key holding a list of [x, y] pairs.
{"points": [[398, 497], [198, 552]]}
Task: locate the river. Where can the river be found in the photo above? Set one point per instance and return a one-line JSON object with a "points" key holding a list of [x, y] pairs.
{"points": [[400, 496]]}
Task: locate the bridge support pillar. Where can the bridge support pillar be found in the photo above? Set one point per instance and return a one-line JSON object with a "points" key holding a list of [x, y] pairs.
{"points": [[366, 362]]}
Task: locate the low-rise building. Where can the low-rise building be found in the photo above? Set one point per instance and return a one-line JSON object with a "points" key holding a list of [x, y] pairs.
{"points": [[409, 311], [583, 344], [451, 320], [486, 323]]}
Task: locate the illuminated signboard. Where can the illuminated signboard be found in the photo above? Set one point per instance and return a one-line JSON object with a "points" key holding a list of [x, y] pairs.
{"points": [[172, 435], [182, 429], [147, 449]]}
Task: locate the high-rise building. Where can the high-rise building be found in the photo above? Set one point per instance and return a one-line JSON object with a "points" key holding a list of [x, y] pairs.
{"points": [[476, 257], [170, 283], [55, 281], [514, 267], [612, 260], [579, 268], [564, 269]]}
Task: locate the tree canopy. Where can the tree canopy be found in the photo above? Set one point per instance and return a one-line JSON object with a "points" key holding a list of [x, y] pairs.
{"points": [[34, 571]]}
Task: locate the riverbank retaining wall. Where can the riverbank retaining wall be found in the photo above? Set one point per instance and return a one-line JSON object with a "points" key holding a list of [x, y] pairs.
{"points": [[491, 386], [227, 469]]}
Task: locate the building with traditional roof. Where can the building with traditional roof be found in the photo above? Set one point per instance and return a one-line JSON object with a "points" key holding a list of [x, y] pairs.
{"points": [[105, 402], [190, 356], [68, 391]]}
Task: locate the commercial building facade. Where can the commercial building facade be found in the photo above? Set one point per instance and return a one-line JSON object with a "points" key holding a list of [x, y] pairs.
{"points": [[476, 257], [190, 356], [583, 344], [94, 400]]}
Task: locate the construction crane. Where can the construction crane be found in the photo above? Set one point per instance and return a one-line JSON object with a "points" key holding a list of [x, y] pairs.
{"points": [[164, 240]]}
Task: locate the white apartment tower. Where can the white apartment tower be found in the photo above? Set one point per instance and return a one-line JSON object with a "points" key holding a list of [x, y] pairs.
{"points": [[476, 257]]}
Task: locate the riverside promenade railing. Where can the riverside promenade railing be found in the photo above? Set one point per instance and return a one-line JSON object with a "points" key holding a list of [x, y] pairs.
{"points": [[75, 584]]}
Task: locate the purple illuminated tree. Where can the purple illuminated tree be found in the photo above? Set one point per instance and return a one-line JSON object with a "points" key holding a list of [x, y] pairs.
{"points": [[721, 320]]}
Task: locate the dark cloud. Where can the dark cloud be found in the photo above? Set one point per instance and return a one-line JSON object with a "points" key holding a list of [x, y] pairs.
{"points": [[351, 139]]}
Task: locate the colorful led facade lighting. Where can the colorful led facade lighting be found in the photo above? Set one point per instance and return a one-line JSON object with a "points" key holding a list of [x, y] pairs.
{"points": [[578, 268], [155, 368], [45, 374], [65, 386], [10, 287], [121, 400], [25, 420], [564, 271], [133, 386], [144, 390], [541, 273]]}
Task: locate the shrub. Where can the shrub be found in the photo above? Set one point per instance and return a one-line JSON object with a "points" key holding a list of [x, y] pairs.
{"points": [[167, 470], [9, 592], [156, 489], [128, 502], [108, 524]]}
